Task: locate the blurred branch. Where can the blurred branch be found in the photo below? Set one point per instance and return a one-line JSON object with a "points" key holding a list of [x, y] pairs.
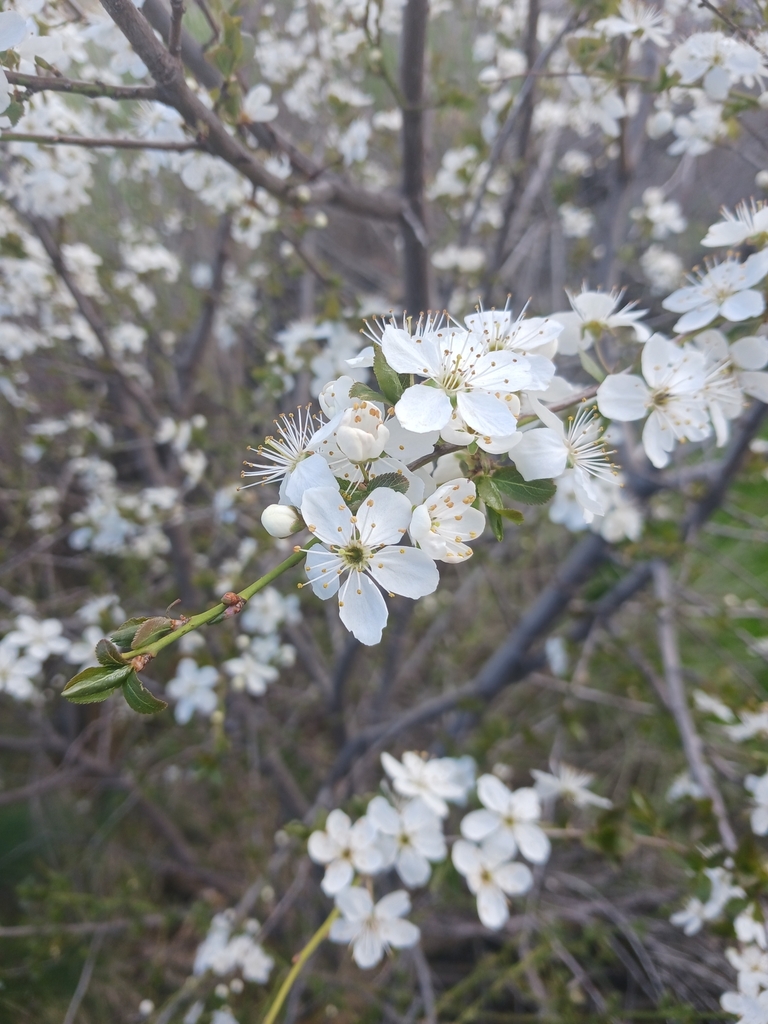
{"points": [[30, 931], [678, 705], [413, 42], [85, 978], [174, 36], [92, 143], [94, 90]]}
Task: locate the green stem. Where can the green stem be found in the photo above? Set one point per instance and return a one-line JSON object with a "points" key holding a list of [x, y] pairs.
{"points": [[299, 963], [213, 613]]}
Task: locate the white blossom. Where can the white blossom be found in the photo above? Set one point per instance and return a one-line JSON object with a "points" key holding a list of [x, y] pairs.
{"points": [[345, 848], [508, 821], [373, 929], [491, 876], [443, 524], [38, 638], [592, 313], [745, 223], [569, 784], [436, 781], [193, 689], [411, 837], [725, 289], [757, 785]]}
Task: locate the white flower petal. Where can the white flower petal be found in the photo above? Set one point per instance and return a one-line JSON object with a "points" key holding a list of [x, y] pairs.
{"points": [[540, 453], [338, 875], [494, 794], [313, 471], [362, 609], [750, 353], [492, 907], [400, 934], [743, 305], [533, 842], [326, 515], [13, 28], [623, 397], [422, 409], [368, 949], [486, 414], [477, 825], [409, 355], [395, 904], [405, 571], [515, 879]]}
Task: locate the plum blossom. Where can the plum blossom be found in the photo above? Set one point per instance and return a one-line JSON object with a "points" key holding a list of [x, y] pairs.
{"points": [[593, 313], [745, 223], [757, 785], [568, 783], [13, 29], [436, 781], [695, 913], [366, 548], [17, 672], [637, 21], [38, 638], [193, 689], [292, 458], [751, 724], [751, 965], [256, 105], [718, 61], [548, 451], [345, 848], [749, 1009], [748, 929], [411, 836], [671, 391], [508, 821], [725, 289], [460, 372], [491, 876], [732, 372], [443, 524], [373, 929]]}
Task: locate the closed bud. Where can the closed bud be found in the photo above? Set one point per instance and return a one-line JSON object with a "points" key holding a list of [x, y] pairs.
{"points": [[281, 520]]}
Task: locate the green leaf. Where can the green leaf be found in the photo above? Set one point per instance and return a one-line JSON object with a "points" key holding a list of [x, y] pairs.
{"points": [[512, 515], [495, 522], [108, 655], [139, 698], [394, 481], [391, 384], [14, 112], [124, 634], [527, 492], [591, 366], [150, 630], [488, 492], [95, 684], [360, 390]]}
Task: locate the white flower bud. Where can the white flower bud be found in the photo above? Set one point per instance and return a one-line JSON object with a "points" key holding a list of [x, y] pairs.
{"points": [[761, 179], [303, 194], [361, 435], [281, 520]]}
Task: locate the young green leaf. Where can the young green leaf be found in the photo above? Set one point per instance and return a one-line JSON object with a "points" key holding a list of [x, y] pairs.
{"points": [[527, 492], [124, 634], [108, 655], [150, 630], [394, 481], [95, 684], [389, 382], [496, 522], [488, 492], [139, 698], [362, 391]]}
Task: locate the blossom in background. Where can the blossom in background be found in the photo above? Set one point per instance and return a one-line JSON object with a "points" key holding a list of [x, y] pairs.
{"points": [[751, 966], [481, 383], [443, 524], [256, 105], [757, 785], [749, 1009], [662, 269], [695, 913], [17, 672], [725, 289], [751, 724], [491, 876], [411, 837], [592, 313], [13, 29], [718, 61], [745, 223], [372, 929], [193, 689], [748, 929], [712, 706], [222, 953], [637, 20], [569, 784], [38, 638], [508, 821], [671, 393], [345, 848], [548, 451], [577, 222], [436, 781], [365, 548]]}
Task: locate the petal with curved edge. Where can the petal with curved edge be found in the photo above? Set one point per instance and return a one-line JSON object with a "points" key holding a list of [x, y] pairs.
{"points": [[313, 471], [406, 354], [383, 517], [343, 930], [466, 857], [368, 949], [383, 815], [405, 571], [699, 317], [422, 409], [322, 848], [322, 569], [338, 875], [494, 794], [742, 306], [413, 867], [485, 413], [399, 934], [515, 879], [477, 825], [755, 384], [355, 903], [540, 454], [362, 609], [395, 904], [658, 440], [13, 28], [326, 515], [750, 353], [623, 397], [492, 907], [533, 842]]}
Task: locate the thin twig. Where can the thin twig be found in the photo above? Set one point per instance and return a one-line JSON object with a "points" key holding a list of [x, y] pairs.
{"points": [[678, 705], [93, 143], [94, 90], [85, 978], [174, 38]]}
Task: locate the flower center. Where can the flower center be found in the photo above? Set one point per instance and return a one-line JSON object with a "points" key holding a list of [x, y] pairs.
{"points": [[356, 555]]}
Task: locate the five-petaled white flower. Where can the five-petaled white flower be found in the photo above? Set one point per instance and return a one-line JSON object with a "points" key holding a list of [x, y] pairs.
{"points": [[749, 1009], [637, 21], [345, 848], [370, 929], [751, 965], [462, 374], [193, 689], [38, 638], [507, 821], [17, 672], [735, 228], [672, 392], [411, 837], [569, 783], [443, 524], [592, 314], [364, 547], [435, 781], [491, 877], [549, 451], [726, 289]]}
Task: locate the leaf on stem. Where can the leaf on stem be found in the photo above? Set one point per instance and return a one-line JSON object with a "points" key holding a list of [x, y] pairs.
{"points": [[527, 492], [95, 684], [139, 698]]}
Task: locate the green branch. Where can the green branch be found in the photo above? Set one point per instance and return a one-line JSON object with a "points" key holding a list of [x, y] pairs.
{"points": [[298, 965]]}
